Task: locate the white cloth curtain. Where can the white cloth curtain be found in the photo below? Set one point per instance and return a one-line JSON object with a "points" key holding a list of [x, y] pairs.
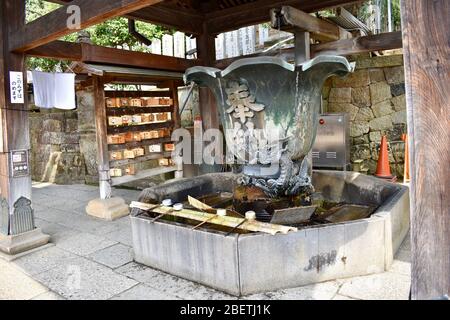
{"points": [[54, 90]]}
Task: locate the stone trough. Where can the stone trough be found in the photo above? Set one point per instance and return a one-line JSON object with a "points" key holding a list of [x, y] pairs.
{"points": [[243, 264]]}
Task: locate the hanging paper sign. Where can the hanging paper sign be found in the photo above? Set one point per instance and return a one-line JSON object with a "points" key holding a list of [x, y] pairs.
{"points": [[16, 86]]}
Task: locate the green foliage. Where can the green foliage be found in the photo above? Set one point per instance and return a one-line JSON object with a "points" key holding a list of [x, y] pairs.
{"points": [[112, 33]]}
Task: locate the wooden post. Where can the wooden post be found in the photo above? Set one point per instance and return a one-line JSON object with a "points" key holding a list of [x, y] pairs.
{"points": [[425, 26], [14, 119], [17, 230], [208, 106], [102, 142], [176, 123]]}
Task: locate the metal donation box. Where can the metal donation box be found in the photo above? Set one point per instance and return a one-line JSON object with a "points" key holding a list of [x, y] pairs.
{"points": [[331, 148]]}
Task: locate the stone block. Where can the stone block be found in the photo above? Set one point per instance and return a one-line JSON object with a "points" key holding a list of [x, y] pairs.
{"points": [[108, 209], [70, 147], [380, 91], [52, 125], [382, 109], [379, 62], [399, 117], [88, 147], [349, 108], [359, 78], [71, 125], [361, 139], [360, 152], [361, 96], [397, 89], [399, 102], [376, 75], [14, 244], [398, 151], [70, 138], [52, 138], [358, 128], [340, 95], [395, 133], [364, 114], [382, 123], [375, 136], [395, 75]]}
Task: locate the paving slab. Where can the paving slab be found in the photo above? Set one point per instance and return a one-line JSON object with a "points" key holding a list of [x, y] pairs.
{"points": [[49, 295], [319, 291], [144, 292], [122, 235], [43, 260], [83, 279], [114, 256], [15, 285], [176, 286], [382, 286], [138, 272], [84, 243], [341, 297], [65, 204]]}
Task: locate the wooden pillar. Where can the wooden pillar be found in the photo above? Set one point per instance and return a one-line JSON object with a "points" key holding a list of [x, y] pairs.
{"points": [[426, 38], [176, 123], [206, 48], [15, 180], [102, 142]]}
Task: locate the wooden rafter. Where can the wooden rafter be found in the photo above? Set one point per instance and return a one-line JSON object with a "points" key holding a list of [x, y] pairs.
{"points": [[96, 54], [259, 11], [55, 24], [219, 16], [379, 42], [289, 18]]}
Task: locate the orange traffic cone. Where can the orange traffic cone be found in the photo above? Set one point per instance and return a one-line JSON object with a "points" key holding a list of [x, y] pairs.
{"points": [[406, 177], [383, 168]]}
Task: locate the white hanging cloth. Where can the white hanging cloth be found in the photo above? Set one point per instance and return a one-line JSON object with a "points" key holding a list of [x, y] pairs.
{"points": [[54, 90]]}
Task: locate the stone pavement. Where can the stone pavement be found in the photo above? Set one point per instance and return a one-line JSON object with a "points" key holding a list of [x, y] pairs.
{"points": [[93, 259]]}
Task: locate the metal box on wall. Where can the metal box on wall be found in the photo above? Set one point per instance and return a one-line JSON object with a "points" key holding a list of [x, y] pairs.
{"points": [[332, 146]]}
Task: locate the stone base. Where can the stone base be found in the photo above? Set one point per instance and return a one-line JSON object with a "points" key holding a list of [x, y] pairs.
{"points": [[108, 209], [18, 243]]}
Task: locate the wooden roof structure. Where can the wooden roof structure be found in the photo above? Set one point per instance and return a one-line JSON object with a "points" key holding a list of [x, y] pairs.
{"points": [[217, 16]]}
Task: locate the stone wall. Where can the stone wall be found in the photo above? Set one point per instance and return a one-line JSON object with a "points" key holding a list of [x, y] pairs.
{"points": [[55, 151], [86, 130], [374, 98]]}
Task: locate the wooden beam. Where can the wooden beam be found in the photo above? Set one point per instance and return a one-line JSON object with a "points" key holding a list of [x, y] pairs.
{"points": [[180, 20], [379, 42], [425, 27], [97, 54], [55, 24], [106, 55], [63, 50], [289, 18], [258, 12]]}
